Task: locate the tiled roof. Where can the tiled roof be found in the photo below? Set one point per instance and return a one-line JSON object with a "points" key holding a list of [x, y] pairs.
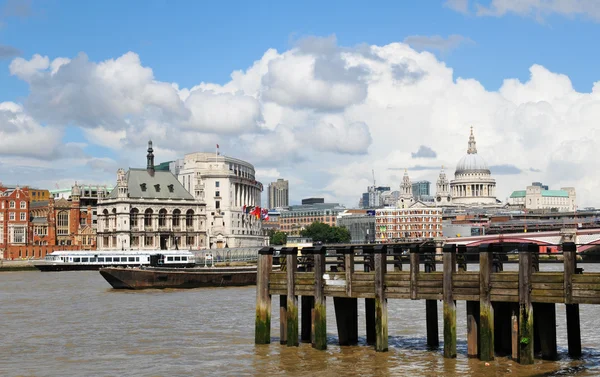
{"points": [[161, 185]]}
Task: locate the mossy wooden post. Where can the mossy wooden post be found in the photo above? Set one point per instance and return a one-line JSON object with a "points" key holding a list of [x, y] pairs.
{"points": [[381, 312], [291, 255], [320, 313], [262, 331], [486, 311], [282, 319], [525, 308], [431, 312], [449, 260], [472, 308], [369, 302], [573, 323]]}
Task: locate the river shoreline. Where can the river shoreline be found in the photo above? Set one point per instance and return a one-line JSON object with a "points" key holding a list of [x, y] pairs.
{"points": [[17, 265]]}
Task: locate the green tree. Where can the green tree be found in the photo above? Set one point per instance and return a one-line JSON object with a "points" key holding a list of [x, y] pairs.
{"points": [[279, 238], [327, 234]]}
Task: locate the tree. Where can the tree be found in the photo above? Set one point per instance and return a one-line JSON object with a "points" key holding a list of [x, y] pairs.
{"points": [[327, 234], [277, 237]]}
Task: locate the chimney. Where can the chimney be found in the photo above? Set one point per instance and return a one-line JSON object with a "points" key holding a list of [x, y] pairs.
{"points": [[150, 158]]}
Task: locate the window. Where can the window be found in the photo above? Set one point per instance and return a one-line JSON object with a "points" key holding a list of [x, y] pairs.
{"points": [[131, 259], [100, 259], [169, 259], [62, 223], [109, 259], [217, 184], [23, 204], [148, 217], [84, 259], [135, 241], [23, 216], [190, 241], [217, 204], [217, 193], [148, 241], [176, 217], [12, 204], [189, 218], [162, 217], [11, 216]]}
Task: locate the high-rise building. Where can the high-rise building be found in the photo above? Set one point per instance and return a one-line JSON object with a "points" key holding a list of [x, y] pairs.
{"points": [[279, 194], [420, 189]]}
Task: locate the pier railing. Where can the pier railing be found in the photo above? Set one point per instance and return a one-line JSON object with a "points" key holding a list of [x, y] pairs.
{"points": [[508, 312]]}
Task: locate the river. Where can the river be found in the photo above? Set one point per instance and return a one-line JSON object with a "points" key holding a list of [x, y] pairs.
{"points": [[74, 324]]}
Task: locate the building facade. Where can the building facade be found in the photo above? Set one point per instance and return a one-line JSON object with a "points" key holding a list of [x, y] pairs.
{"points": [[473, 184], [150, 210], [535, 197], [420, 190], [411, 223], [228, 187], [405, 198], [14, 217], [360, 225], [299, 217], [279, 194]]}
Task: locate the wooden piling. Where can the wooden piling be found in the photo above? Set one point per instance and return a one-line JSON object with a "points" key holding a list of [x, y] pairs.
{"points": [[262, 330], [291, 318], [381, 312], [414, 270], [573, 320], [449, 260], [473, 309], [526, 325], [283, 325], [486, 311], [514, 331], [320, 313], [397, 251]]}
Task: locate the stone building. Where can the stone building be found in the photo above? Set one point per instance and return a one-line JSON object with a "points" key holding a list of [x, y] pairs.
{"points": [[279, 194], [229, 188], [151, 209], [536, 197], [298, 217], [406, 198]]}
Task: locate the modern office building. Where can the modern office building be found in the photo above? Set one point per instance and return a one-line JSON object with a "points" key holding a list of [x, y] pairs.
{"points": [[420, 189], [279, 194]]}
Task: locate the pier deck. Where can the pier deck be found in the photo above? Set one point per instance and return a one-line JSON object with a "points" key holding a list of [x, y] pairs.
{"points": [[508, 312]]}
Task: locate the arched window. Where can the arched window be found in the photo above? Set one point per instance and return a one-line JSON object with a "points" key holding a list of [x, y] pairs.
{"points": [[148, 217], [189, 218], [162, 217], [133, 217], [105, 213], [62, 223], [176, 216]]}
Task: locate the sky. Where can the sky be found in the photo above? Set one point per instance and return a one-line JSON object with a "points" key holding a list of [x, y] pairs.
{"points": [[323, 94]]}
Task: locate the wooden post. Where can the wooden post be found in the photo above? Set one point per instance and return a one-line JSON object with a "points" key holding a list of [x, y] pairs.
{"points": [[381, 313], [449, 303], [320, 313], [346, 308], [486, 311], [473, 328], [291, 255], [461, 257], [525, 308], [397, 251], [573, 322], [431, 312], [514, 331], [262, 331]]}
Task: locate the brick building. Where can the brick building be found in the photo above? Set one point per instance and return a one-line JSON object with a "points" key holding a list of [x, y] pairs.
{"points": [[415, 222], [14, 216]]}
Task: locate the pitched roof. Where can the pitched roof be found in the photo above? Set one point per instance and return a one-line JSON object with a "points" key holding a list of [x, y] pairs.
{"points": [[518, 194], [556, 193], [161, 185]]}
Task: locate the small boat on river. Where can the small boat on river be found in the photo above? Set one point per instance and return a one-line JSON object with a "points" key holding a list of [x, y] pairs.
{"points": [[162, 277], [94, 260]]}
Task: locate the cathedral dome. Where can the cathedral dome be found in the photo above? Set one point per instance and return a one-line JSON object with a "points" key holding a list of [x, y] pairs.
{"points": [[471, 162]]}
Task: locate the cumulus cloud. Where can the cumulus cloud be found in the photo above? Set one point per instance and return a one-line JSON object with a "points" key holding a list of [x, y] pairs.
{"points": [[322, 115], [424, 152]]}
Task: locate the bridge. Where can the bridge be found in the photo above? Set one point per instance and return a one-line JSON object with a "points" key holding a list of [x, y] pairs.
{"points": [[586, 239]]}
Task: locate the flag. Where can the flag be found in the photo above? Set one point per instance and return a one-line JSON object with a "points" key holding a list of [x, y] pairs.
{"points": [[217, 146], [244, 208]]}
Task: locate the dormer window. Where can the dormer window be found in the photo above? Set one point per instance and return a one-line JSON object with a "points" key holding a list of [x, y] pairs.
{"points": [[143, 186], [157, 187], [171, 188]]}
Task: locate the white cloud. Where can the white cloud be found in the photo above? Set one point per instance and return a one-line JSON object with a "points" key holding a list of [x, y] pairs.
{"points": [[318, 114], [538, 9]]}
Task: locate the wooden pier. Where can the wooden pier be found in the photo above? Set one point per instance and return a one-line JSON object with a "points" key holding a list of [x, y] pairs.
{"points": [[508, 313]]}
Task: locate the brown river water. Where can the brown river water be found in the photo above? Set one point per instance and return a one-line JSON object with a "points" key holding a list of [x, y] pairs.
{"points": [[74, 324]]}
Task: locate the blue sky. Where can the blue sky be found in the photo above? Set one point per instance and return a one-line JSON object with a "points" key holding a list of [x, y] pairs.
{"points": [[190, 42]]}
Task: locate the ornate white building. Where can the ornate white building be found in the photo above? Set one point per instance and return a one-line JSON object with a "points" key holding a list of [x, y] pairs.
{"points": [[442, 196], [473, 184], [150, 209], [227, 185], [537, 198]]}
